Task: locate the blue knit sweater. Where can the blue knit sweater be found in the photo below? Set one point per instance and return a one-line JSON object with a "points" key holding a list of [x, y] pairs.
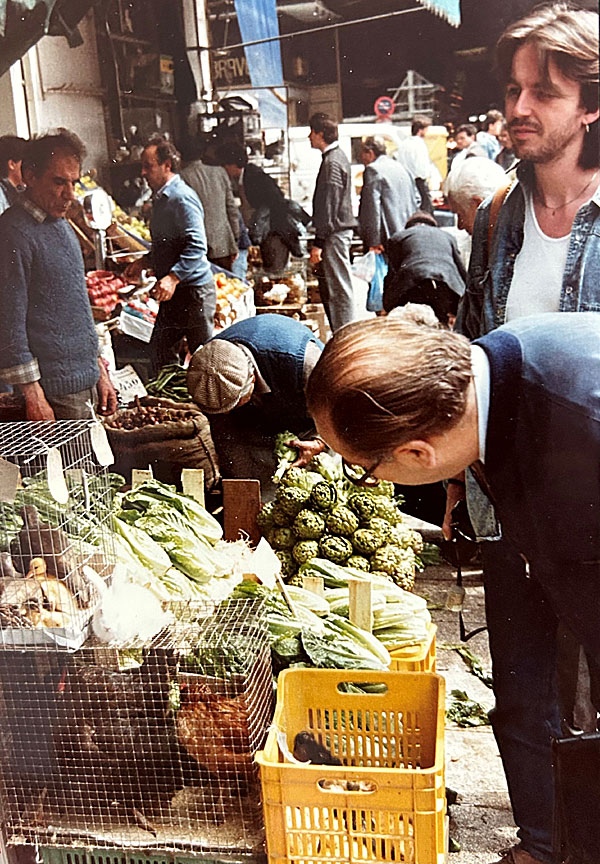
{"points": [[46, 314]]}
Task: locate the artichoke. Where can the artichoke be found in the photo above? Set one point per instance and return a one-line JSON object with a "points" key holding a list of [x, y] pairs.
{"points": [[401, 536], [309, 525], [395, 561], [381, 527], [341, 521], [304, 550], [416, 542], [323, 496], [283, 538], [385, 508], [384, 488], [407, 581], [291, 499], [280, 517], [288, 565], [366, 542], [359, 562], [363, 505], [264, 519], [336, 549], [301, 478]]}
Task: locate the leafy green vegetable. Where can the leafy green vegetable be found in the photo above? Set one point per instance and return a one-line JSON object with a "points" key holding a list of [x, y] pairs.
{"points": [[465, 711], [10, 525], [430, 555], [220, 658], [200, 521], [88, 508], [143, 547], [473, 663], [342, 645], [284, 453], [334, 575], [311, 601]]}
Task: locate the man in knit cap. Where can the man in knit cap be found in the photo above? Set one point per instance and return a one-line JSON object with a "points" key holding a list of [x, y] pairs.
{"points": [[48, 342], [250, 379]]}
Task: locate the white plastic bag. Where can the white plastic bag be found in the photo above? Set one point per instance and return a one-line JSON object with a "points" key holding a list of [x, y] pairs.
{"points": [[363, 266]]}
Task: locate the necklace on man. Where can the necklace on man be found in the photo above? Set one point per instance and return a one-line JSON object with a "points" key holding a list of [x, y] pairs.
{"points": [[566, 204]]}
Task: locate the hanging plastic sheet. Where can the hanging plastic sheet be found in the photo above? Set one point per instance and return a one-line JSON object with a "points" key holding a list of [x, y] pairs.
{"points": [[258, 20], [447, 9], [24, 22]]}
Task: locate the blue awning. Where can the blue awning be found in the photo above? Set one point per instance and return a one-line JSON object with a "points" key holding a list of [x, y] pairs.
{"points": [[257, 19], [447, 9]]}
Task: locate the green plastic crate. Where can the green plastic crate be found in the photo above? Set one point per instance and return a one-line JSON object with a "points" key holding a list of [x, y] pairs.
{"points": [[72, 855]]}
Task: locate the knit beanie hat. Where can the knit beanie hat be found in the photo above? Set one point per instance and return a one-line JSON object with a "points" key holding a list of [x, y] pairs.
{"points": [[220, 374]]}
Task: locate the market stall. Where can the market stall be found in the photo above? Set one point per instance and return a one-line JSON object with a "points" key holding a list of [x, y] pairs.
{"points": [[137, 647]]}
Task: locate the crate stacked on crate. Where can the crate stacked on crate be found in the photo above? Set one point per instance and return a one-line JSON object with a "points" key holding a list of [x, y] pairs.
{"points": [[55, 513], [374, 790], [140, 749], [416, 658]]}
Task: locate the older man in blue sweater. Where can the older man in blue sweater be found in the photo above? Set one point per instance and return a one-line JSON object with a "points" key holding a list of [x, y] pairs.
{"points": [[48, 342], [185, 289]]}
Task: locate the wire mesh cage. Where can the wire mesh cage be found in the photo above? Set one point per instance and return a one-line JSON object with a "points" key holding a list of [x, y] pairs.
{"points": [[55, 506], [145, 748]]}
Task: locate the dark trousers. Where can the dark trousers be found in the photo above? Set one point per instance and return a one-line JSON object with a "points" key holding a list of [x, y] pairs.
{"points": [[190, 313], [423, 190], [244, 440], [522, 629], [226, 262]]}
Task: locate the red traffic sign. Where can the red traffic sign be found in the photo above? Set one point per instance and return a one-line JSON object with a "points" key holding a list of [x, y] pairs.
{"points": [[384, 106]]}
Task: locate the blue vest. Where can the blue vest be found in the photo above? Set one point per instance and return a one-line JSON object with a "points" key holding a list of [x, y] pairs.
{"points": [[278, 345]]}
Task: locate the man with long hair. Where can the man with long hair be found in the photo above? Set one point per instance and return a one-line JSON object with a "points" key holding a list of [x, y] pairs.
{"points": [[541, 255]]}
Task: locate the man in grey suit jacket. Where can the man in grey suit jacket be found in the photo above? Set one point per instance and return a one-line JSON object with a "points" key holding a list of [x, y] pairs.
{"points": [[389, 195], [211, 185]]}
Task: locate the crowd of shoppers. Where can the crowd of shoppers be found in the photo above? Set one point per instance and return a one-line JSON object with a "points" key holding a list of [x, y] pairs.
{"points": [[480, 401]]}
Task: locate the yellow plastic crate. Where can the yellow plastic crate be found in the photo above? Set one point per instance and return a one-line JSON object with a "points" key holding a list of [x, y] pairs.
{"points": [[416, 658], [386, 802]]}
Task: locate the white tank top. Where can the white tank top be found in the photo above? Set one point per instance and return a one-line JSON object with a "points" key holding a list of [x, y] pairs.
{"points": [[539, 268]]}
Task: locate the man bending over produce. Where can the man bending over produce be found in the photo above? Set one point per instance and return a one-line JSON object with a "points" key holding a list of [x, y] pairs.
{"points": [[250, 378], [48, 342], [521, 407]]}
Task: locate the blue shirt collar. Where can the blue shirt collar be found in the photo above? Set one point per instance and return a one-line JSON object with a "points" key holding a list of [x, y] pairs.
{"points": [[165, 190], [481, 379]]}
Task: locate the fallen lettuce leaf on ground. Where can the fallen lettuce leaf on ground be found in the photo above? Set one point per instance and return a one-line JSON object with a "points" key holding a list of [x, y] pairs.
{"points": [[465, 711]]}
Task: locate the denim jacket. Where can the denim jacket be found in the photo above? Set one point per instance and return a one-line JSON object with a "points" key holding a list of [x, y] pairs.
{"points": [[483, 305]]}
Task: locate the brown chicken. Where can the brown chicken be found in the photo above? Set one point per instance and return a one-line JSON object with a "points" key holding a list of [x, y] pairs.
{"points": [[214, 731]]}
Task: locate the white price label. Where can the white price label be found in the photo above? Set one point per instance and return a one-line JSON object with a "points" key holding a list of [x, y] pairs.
{"points": [[100, 445], [128, 383], [9, 480], [56, 478]]}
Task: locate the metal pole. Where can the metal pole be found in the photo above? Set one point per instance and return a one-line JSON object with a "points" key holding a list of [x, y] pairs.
{"points": [[338, 69], [310, 30]]}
